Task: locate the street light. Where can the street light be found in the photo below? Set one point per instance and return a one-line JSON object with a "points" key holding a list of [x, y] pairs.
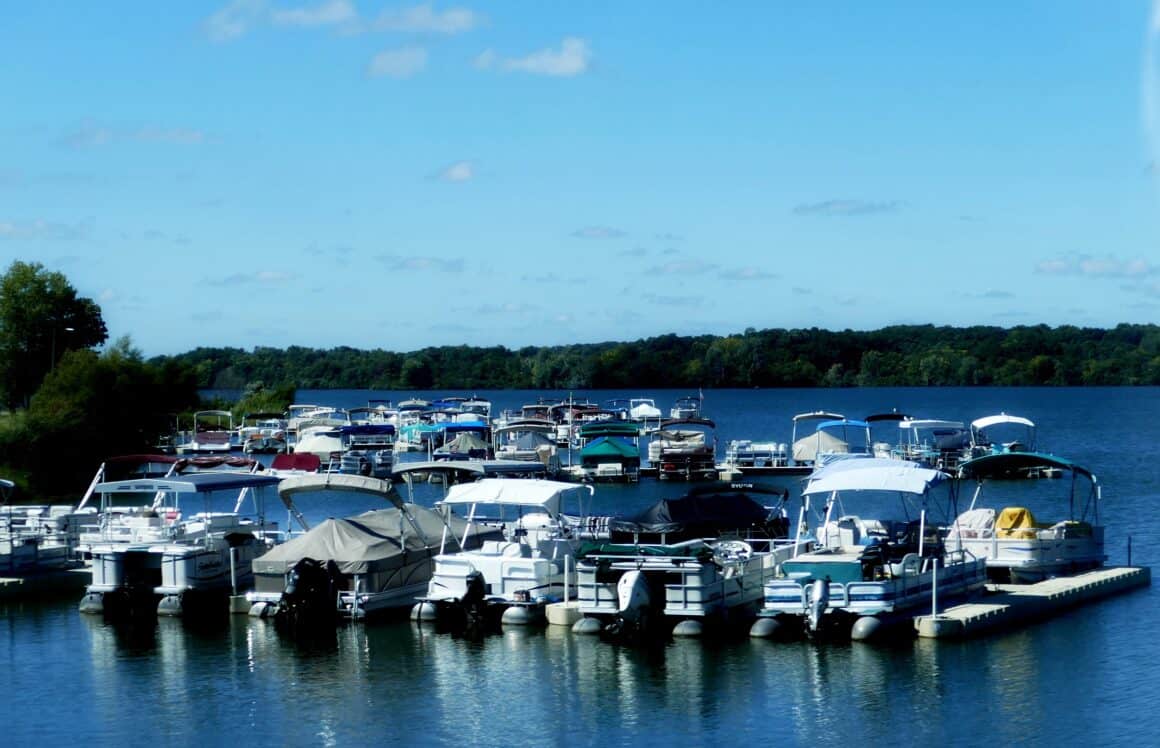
{"points": [[52, 360]]}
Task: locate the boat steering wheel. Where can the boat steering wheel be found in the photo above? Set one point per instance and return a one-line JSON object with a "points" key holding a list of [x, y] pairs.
{"points": [[733, 549]]}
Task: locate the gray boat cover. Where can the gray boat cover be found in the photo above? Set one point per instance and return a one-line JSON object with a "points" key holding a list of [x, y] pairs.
{"points": [[806, 448], [465, 443], [374, 541]]}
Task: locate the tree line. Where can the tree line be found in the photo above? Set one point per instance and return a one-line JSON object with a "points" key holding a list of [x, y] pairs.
{"points": [[73, 399], [905, 355]]}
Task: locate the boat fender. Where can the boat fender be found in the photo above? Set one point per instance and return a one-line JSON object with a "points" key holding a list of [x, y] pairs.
{"points": [[867, 628], [766, 627], [424, 611], [587, 625], [689, 629]]}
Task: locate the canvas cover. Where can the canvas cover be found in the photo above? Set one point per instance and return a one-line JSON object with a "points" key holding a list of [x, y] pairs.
{"points": [[695, 515], [1016, 464], [467, 442], [533, 440], [609, 447], [548, 495], [873, 474], [806, 449], [371, 542]]}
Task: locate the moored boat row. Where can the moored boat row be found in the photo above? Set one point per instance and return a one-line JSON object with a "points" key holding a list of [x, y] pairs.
{"points": [[840, 574]]}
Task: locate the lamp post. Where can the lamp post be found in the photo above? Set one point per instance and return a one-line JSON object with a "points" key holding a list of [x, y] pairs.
{"points": [[52, 360]]}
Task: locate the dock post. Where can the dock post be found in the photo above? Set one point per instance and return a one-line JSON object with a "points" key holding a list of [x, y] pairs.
{"points": [[233, 571], [934, 589]]}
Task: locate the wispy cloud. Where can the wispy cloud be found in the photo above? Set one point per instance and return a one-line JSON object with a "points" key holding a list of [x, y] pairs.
{"points": [[685, 301], [328, 13], [598, 232], [398, 63], [746, 274], [424, 19], [670, 238], [234, 19], [507, 308], [337, 255], [460, 171], [996, 295], [173, 135], [92, 135], [239, 17], [634, 252], [847, 207], [571, 59], [434, 264], [546, 278], [38, 229], [1097, 267], [261, 277], [684, 267]]}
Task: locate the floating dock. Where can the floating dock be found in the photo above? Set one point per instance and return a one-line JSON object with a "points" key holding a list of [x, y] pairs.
{"points": [[1007, 606], [45, 584]]}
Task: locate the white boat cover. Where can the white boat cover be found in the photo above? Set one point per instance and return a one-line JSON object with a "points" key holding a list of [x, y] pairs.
{"points": [[336, 482], [929, 423], [544, 494], [192, 483], [874, 474], [806, 448], [982, 423]]}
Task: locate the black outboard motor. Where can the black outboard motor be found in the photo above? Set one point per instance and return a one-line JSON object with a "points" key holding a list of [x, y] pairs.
{"points": [[310, 599], [474, 603]]}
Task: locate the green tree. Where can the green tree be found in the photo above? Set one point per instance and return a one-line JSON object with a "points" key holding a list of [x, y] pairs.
{"points": [[93, 406], [41, 318]]}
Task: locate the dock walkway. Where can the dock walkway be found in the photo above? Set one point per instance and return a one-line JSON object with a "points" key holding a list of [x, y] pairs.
{"points": [[1006, 606]]}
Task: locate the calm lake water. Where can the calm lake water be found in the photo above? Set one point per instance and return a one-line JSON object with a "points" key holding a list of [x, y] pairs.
{"points": [[1089, 677]]}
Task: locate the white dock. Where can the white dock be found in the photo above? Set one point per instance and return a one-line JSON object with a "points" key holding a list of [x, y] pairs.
{"points": [[1007, 606]]}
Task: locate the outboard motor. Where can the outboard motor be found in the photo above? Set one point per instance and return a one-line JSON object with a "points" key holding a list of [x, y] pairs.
{"points": [[474, 603], [310, 596], [632, 603], [819, 600]]}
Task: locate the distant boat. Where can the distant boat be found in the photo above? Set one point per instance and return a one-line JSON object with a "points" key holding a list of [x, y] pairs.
{"points": [[1002, 433], [609, 451], [213, 432], [688, 406], [263, 433], [36, 538], [684, 450], [1018, 546]]}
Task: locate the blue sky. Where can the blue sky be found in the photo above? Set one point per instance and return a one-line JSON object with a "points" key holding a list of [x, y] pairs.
{"points": [[399, 175]]}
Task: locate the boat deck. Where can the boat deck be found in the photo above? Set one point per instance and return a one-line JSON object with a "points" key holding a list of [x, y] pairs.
{"points": [[1006, 606]]}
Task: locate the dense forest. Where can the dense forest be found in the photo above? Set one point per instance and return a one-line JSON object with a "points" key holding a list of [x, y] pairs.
{"points": [[916, 355]]}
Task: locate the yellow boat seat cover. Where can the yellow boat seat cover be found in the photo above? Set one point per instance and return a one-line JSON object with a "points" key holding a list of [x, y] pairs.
{"points": [[1015, 522]]}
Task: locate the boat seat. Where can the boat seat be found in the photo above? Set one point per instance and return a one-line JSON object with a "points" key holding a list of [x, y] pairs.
{"points": [[1016, 522], [506, 548]]}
